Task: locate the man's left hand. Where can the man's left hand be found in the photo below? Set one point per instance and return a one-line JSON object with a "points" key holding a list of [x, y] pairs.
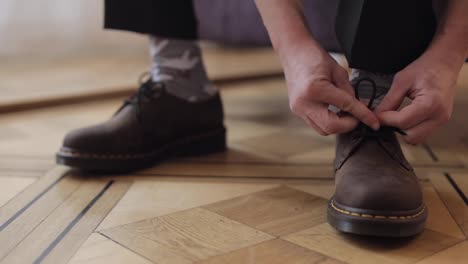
{"points": [[430, 83]]}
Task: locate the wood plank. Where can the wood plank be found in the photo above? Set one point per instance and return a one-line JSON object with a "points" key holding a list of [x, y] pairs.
{"points": [[49, 229], [452, 255], [100, 250], [121, 75], [20, 174], [34, 190], [149, 199], [241, 170], [231, 155], [324, 189], [185, 237], [424, 172], [25, 163], [242, 129], [417, 155], [277, 211], [452, 200], [440, 219], [304, 146], [43, 130], [460, 180], [287, 143], [275, 251], [88, 223], [26, 211], [449, 157], [258, 169], [11, 186], [58, 237], [353, 249]]}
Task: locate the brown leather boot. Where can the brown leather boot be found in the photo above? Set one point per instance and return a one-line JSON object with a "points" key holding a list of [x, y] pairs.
{"points": [[377, 192], [151, 125]]}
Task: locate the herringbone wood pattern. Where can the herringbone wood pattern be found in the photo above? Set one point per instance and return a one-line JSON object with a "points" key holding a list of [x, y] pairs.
{"points": [[262, 201]]}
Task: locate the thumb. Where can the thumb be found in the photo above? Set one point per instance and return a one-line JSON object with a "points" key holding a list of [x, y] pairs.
{"points": [[341, 79], [395, 95]]}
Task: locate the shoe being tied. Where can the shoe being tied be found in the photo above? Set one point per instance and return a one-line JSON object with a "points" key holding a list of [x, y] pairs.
{"points": [[377, 192], [150, 126]]}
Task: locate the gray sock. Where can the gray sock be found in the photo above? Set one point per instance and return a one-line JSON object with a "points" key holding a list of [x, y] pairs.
{"points": [[383, 83], [178, 63]]}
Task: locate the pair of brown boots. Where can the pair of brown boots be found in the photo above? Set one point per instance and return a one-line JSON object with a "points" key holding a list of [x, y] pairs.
{"points": [[377, 192]]}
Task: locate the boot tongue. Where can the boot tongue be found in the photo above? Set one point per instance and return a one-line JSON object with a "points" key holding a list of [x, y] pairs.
{"points": [[349, 143]]}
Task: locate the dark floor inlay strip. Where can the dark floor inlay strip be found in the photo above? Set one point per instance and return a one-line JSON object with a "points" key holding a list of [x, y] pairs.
{"points": [[72, 224], [456, 187], [22, 210], [430, 152]]}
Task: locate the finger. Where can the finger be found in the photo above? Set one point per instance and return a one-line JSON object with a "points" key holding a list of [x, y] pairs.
{"points": [[406, 118], [314, 126], [395, 95], [305, 107], [421, 132], [329, 122], [341, 80], [349, 104], [346, 123]]}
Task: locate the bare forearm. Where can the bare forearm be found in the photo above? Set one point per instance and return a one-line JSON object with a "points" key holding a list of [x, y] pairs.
{"points": [[451, 38]]}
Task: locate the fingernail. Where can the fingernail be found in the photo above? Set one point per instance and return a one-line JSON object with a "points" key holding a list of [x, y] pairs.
{"points": [[376, 127]]}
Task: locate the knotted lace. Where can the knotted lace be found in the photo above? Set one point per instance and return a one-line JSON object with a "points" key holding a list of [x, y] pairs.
{"points": [[148, 90], [366, 131]]}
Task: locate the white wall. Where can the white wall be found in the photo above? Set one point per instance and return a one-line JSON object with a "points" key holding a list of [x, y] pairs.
{"points": [[60, 28]]}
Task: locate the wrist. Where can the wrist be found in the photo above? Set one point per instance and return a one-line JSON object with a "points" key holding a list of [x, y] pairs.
{"points": [[447, 55], [450, 46], [290, 48]]}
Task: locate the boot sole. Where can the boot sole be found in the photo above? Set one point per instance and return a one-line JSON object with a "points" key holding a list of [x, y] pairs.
{"points": [[371, 223], [200, 144]]}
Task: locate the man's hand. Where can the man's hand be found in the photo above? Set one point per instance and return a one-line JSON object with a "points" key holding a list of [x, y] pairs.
{"points": [[314, 81], [430, 84], [430, 80]]}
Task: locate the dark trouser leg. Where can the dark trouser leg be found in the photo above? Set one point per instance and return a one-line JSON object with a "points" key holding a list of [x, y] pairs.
{"points": [[239, 22], [384, 36], [171, 19], [227, 21], [172, 28]]}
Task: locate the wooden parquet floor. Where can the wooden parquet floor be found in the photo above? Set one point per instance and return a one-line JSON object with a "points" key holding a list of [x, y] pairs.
{"points": [[70, 79], [262, 201]]}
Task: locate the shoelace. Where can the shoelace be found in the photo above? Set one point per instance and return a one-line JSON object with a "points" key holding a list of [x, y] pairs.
{"points": [[147, 90], [365, 130]]}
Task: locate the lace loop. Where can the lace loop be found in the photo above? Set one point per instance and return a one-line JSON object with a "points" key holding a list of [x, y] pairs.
{"points": [[374, 89], [367, 131]]}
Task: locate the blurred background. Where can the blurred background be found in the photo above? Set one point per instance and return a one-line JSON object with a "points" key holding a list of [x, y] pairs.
{"points": [[53, 28], [56, 52]]}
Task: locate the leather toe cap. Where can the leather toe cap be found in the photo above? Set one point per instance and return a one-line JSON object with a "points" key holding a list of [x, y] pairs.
{"points": [[89, 139], [390, 197]]}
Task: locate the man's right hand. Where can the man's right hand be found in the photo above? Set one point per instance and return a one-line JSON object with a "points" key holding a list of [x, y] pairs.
{"points": [[315, 81]]}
